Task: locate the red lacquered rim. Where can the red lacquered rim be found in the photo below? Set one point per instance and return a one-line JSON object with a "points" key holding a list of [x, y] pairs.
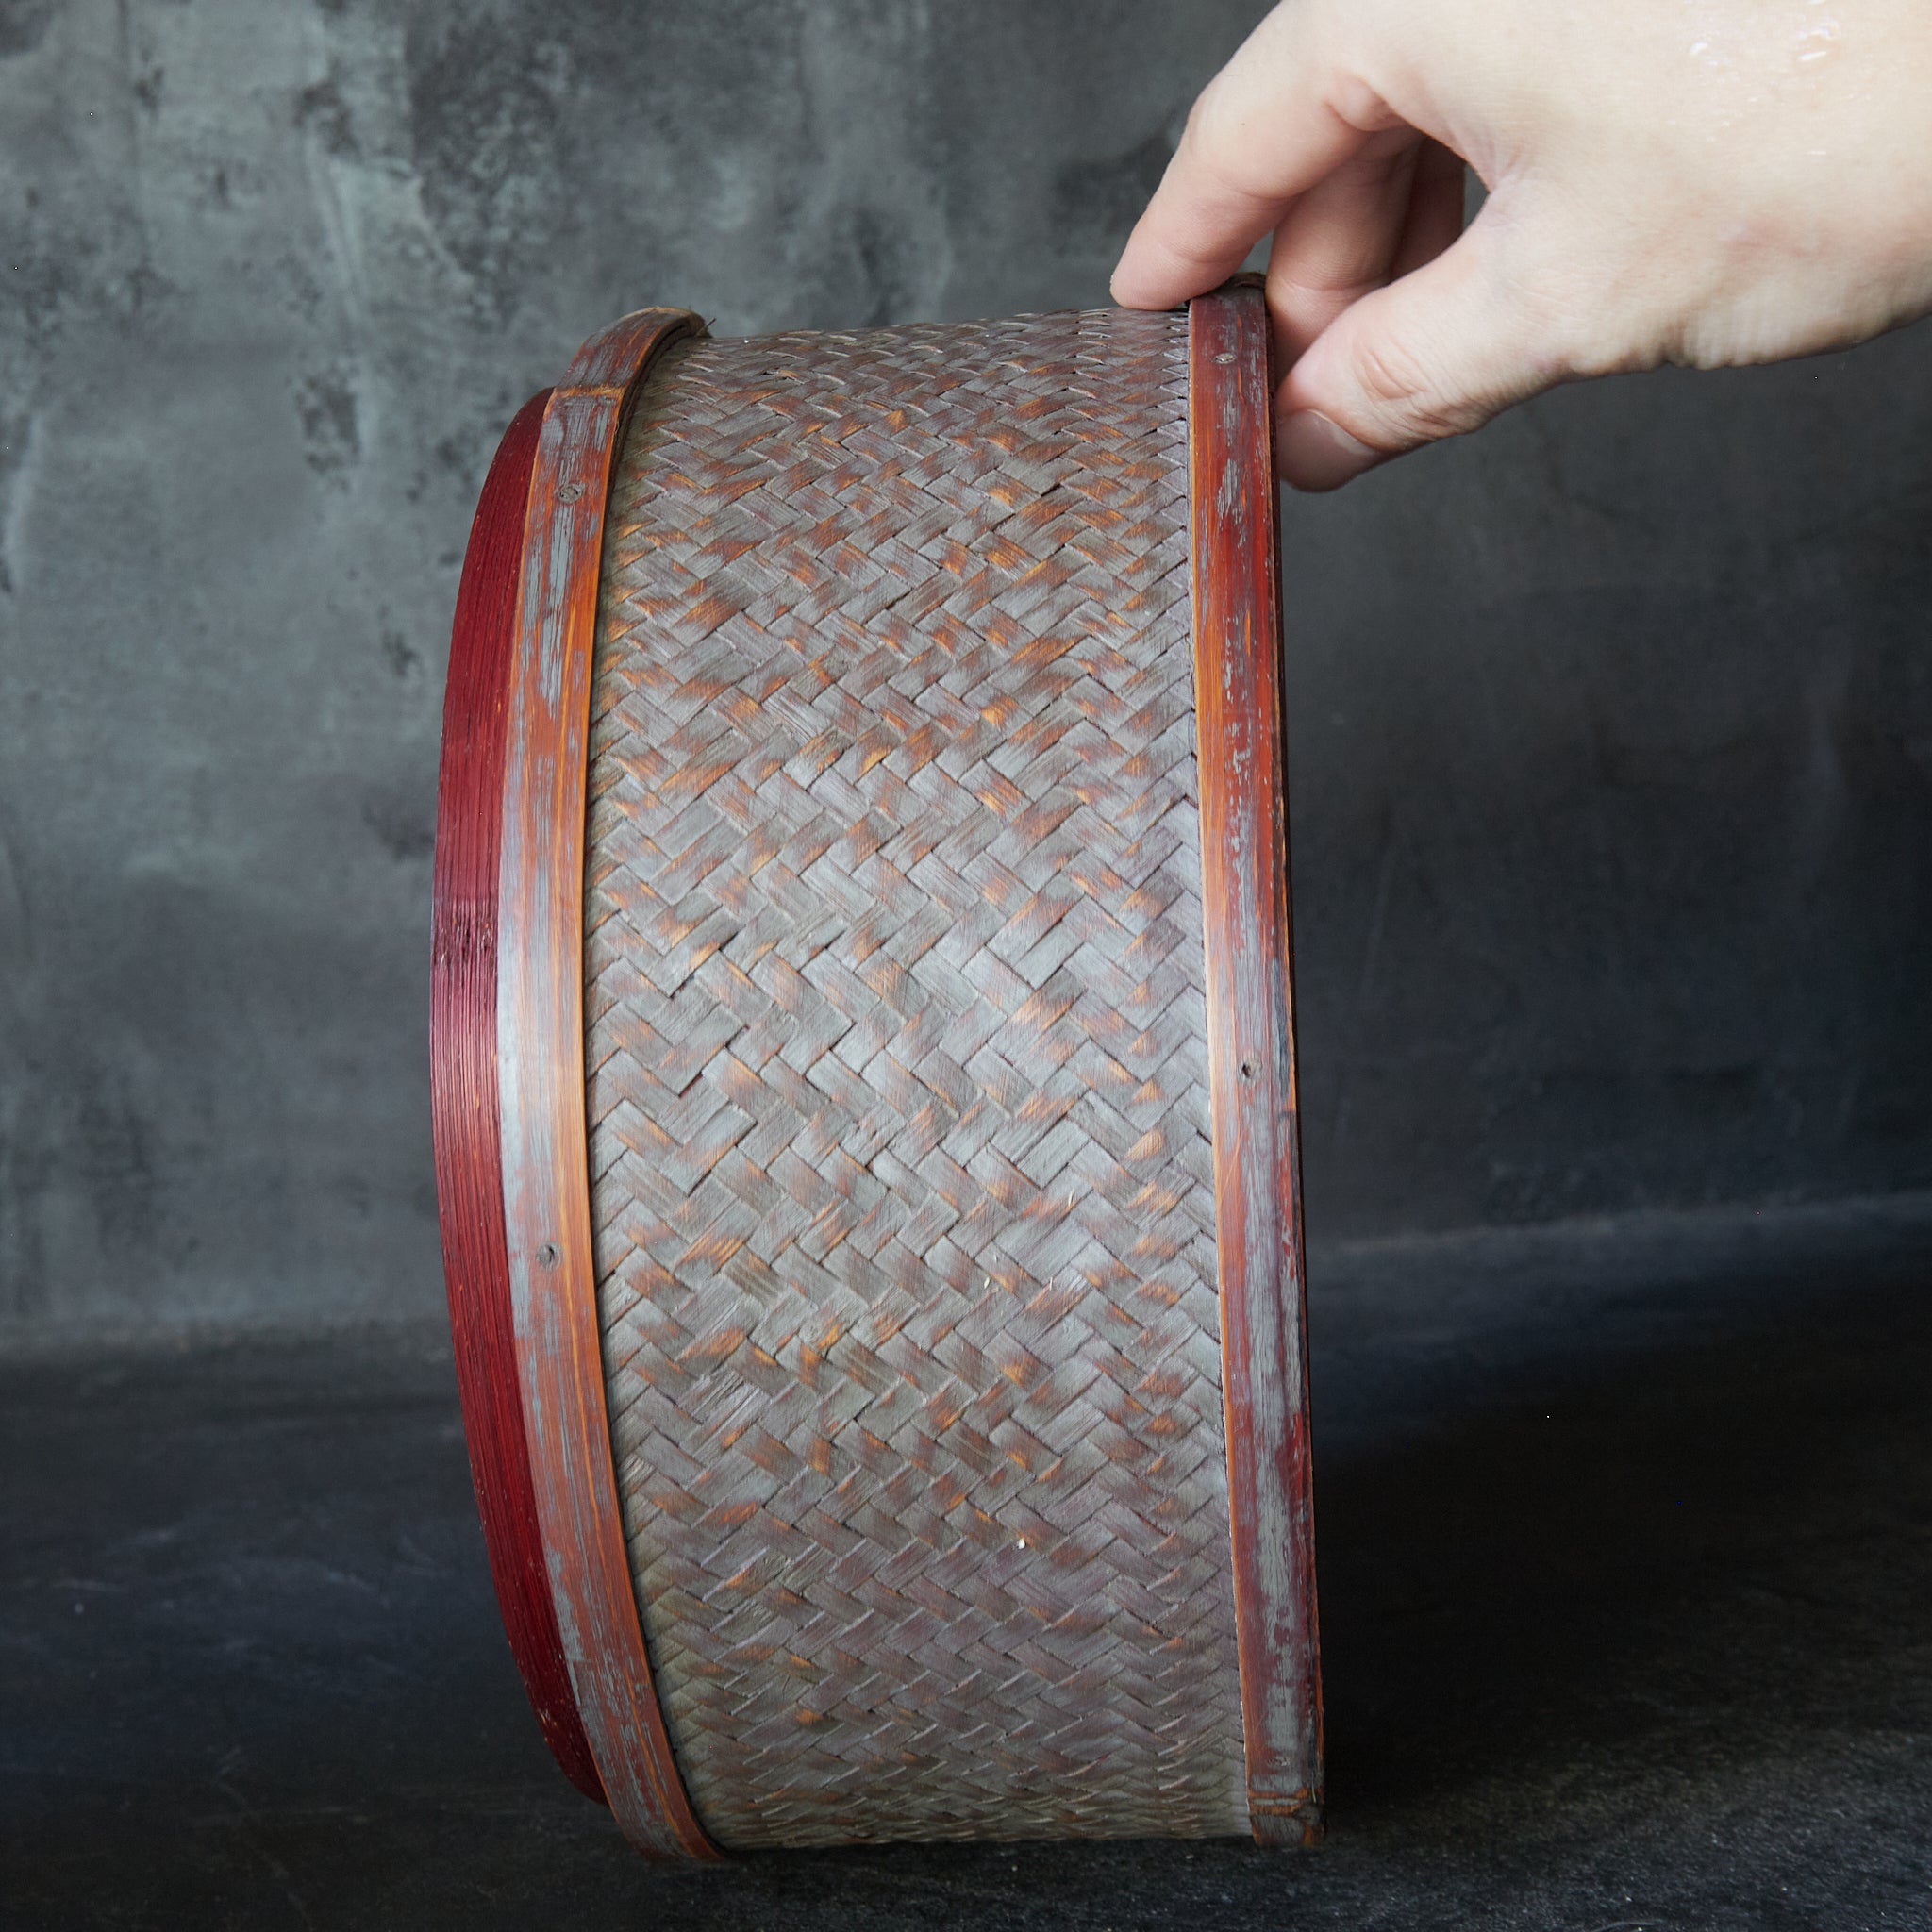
{"points": [[1240, 732], [540, 1056], [462, 1053]]}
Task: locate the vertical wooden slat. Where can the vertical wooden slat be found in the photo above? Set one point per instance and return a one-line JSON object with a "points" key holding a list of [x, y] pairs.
{"points": [[463, 1054], [1241, 730], [541, 1054]]}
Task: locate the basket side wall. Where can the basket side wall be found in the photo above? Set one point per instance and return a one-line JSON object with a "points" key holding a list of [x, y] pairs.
{"points": [[897, 1061]]}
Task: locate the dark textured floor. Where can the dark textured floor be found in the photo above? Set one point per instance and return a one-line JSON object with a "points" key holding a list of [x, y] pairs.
{"points": [[1625, 1542]]}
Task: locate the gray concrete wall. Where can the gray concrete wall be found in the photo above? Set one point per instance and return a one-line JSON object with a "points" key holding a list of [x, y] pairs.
{"points": [[1612, 730]]}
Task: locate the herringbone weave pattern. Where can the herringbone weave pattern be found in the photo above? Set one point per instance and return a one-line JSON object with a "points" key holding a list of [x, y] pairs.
{"points": [[898, 1086]]}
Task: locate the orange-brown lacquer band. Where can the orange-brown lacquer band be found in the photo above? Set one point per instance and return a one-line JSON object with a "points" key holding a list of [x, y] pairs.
{"points": [[540, 1053], [1240, 733]]}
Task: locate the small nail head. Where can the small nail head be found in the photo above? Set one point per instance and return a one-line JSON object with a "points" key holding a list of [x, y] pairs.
{"points": [[569, 492], [547, 1254]]}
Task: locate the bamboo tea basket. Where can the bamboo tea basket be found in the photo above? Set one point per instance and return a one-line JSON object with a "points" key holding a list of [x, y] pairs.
{"points": [[865, 1085]]}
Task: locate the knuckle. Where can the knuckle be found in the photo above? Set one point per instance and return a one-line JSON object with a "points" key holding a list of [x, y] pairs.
{"points": [[1388, 373], [1202, 139], [1219, 151], [1406, 400]]}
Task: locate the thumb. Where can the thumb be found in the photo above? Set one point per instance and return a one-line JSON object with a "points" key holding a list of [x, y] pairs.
{"points": [[1432, 355]]}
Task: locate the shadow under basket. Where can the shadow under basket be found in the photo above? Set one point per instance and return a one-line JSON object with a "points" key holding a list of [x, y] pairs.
{"points": [[864, 1082]]}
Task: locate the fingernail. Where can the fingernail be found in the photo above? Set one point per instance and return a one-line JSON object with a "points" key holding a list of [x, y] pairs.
{"points": [[1315, 454]]}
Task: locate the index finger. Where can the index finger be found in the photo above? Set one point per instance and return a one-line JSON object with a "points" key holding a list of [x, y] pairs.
{"points": [[1279, 117]]}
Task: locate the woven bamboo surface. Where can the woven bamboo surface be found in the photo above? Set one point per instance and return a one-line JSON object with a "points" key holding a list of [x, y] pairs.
{"points": [[900, 1173]]}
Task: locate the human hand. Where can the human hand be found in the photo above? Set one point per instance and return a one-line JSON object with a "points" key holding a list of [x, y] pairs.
{"points": [[1704, 182]]}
